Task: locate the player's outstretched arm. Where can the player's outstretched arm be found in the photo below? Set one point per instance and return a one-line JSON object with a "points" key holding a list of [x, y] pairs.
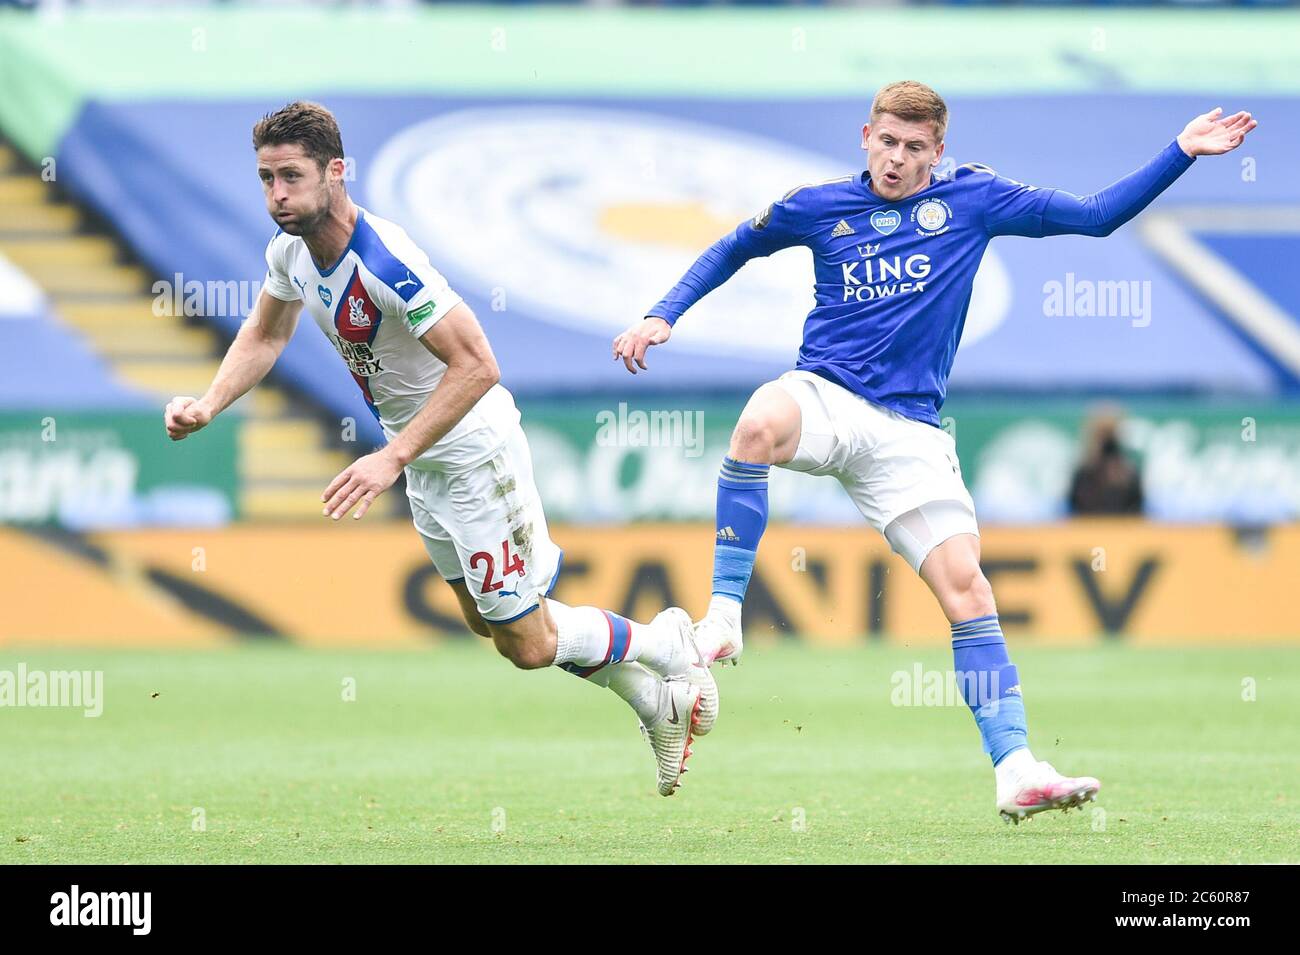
{"points": [[715, 265], [779, 226], [251, 355], [1015, 209], [458, 341]]}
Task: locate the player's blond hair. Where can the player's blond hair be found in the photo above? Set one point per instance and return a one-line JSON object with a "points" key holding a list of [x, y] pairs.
{"points": [[309, 125], [912, 101]]}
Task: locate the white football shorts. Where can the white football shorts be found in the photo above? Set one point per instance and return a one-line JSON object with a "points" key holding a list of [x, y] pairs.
{"points": [[891, 465], [485, 525]]}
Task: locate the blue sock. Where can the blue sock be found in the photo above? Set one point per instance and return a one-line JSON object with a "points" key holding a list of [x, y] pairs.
{"points": [[742, 518], [990, 685]]}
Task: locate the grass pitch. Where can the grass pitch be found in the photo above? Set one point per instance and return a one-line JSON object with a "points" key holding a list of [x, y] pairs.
{"points": [[450, 755]]}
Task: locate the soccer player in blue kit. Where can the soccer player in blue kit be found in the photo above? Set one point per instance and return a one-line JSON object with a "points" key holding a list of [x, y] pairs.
{"points": [[895, 251]]}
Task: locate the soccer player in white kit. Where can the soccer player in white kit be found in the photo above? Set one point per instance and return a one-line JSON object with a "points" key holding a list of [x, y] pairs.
{"points": [[428, 374]]}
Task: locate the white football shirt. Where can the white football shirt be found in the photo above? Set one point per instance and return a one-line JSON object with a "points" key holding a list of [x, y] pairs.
{"points": [[373, 304]]}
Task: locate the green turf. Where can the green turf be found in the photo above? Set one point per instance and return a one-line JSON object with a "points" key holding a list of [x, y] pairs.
{"points": [[440, 745]]}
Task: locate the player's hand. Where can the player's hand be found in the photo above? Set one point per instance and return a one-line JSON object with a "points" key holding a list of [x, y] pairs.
{"points": [[185, 415], [632, 345], [360, 483], [1213, 134]]}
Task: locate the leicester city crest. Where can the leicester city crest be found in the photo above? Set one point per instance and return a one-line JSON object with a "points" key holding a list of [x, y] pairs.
{"points": [[931, 216]]}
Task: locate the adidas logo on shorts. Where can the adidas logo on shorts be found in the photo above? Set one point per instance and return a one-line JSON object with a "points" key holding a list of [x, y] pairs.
{"points": [[727, 534], [842, 229]]}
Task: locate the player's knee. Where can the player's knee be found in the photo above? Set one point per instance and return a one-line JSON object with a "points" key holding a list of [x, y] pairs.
{"points": [[973, 590], [754, 439]]}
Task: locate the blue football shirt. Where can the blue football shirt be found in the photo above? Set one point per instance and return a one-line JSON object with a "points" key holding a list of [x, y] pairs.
{"points": [[893, 278]]}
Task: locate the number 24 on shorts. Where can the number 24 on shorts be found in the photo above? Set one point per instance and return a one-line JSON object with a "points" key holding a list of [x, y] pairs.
{"points": [[510, 564]]}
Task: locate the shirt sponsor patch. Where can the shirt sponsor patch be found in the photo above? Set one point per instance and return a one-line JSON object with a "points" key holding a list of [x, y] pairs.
{"points": [[416, 315], [886, 221]]}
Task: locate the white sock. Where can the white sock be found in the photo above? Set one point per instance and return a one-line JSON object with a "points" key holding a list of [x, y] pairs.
{"points": [[587, 637], [725, 608], [1014, 766], [635, 685], [581, 635], [582, 639]]}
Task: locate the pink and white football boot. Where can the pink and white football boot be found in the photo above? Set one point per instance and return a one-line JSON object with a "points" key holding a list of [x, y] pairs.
{"points": [[717, 633], [1039, 787]]}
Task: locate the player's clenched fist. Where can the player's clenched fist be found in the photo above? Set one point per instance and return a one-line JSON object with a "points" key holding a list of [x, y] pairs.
{"points": [[632, 345], [184, 415]]}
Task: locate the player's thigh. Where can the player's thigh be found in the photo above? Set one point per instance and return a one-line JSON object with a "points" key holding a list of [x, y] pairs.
{"points": [[767, 431], [818, 443], [493, 515], [940, 540], [904, 477]]}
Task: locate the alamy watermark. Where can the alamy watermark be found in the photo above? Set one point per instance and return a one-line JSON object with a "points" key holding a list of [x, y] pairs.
{"points": [[651, 429], [921, 687], [1085, 298], [77, 689], [78, 907], [220, 299]]}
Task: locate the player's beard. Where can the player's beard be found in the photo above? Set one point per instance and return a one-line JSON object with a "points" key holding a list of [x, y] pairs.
{"points": [[305, 224]]}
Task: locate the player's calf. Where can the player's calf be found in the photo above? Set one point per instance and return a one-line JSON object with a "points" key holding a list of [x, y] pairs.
{"points": [[528, 642], [527, 651], [469, 609], [952, 571]]}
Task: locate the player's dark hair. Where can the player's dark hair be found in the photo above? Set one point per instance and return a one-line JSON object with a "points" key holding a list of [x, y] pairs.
{"points": [[309, 125], [914, 102]]}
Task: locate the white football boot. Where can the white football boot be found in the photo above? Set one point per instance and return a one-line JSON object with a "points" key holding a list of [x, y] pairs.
{"points": [[717, 635], [689, 665], [1039, 788], [670, 734]]}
